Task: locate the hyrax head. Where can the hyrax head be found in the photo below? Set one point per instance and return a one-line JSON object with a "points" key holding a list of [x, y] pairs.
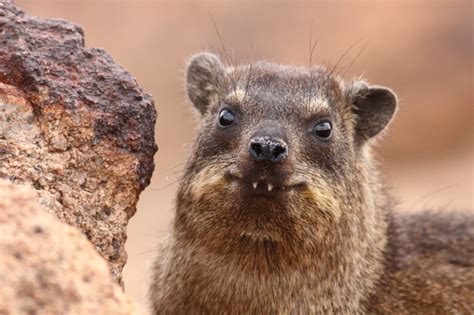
{"points": [[279, 147]]}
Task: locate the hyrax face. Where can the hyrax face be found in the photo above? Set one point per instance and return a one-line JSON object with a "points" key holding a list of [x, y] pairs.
{"points": [[280, 151]]}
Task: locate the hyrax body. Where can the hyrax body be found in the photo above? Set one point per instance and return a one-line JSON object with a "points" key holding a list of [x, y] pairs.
{"points": [[281, 210]]}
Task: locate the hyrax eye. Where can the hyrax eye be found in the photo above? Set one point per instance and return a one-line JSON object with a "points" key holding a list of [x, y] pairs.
{"points": [[323, 130], [226, 118]]}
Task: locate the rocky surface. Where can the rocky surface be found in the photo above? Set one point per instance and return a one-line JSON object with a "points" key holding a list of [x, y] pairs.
{"points": [[74, 125], [48, 267]]}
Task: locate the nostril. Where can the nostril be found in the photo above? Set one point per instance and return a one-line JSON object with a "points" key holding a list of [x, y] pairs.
{"points": [[279, 153], [256, 148]]}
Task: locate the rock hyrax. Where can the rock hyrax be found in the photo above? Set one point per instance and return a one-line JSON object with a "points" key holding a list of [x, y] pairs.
{"points": [[281, 210]]}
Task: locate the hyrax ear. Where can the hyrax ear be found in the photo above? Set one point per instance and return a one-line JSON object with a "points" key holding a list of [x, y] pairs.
{"points": [[204, 76], [374, 107]]}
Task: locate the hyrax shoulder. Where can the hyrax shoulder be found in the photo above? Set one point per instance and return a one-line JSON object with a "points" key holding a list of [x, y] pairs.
{"points": [[429, 265], [280, 208]]}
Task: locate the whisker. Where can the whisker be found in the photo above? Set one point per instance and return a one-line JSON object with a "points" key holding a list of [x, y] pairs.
{"points": [[356, 57], [424, 198], [312, 47], [249, 76], [173, 167], [167, 186], [224, 51], [344, 54], [206, 164]]}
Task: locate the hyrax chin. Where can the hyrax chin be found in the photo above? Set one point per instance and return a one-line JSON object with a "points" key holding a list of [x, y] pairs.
{"points": [[280, 209]]}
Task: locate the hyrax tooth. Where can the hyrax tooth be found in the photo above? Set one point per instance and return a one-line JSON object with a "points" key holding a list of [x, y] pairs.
{"points": [[254, 184], [270, 187]]}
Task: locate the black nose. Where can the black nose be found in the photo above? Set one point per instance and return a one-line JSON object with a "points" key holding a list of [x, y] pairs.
{"points": [[268, 149]]}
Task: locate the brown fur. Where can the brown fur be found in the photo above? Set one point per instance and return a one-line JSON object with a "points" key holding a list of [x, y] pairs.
{"points": [[429, 263], [328, 243]]}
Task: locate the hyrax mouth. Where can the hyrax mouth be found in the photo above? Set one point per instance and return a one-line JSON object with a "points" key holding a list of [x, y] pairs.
{"points": [[269, 187], [265, 186]]}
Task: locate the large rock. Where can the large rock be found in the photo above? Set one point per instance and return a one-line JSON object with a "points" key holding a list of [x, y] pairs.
{"points": [[48, 267], [74, 125]]}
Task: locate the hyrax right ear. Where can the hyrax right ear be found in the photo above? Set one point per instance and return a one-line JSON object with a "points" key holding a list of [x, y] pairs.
{"points": [[204, 77], [374, 107]]}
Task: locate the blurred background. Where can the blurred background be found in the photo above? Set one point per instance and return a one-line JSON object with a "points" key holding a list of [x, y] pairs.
{"points": [[421, 49]]}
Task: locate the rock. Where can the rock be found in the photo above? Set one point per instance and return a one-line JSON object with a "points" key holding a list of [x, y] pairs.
{"points": [[74, 125], [48, 267]]}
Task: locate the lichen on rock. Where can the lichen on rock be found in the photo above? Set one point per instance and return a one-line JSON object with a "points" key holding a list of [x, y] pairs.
{"points": [[74, 125]]}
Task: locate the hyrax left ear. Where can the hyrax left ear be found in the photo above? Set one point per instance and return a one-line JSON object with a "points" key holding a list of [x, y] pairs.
{"points": [[204, 77], [374, 107]]}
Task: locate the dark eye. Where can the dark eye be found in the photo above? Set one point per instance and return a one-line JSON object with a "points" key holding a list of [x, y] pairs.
{"points": [[226, 118], [323, 130]]}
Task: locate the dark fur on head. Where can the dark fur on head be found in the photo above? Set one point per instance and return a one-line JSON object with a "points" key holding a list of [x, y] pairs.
{"points": [[315, 245]]}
